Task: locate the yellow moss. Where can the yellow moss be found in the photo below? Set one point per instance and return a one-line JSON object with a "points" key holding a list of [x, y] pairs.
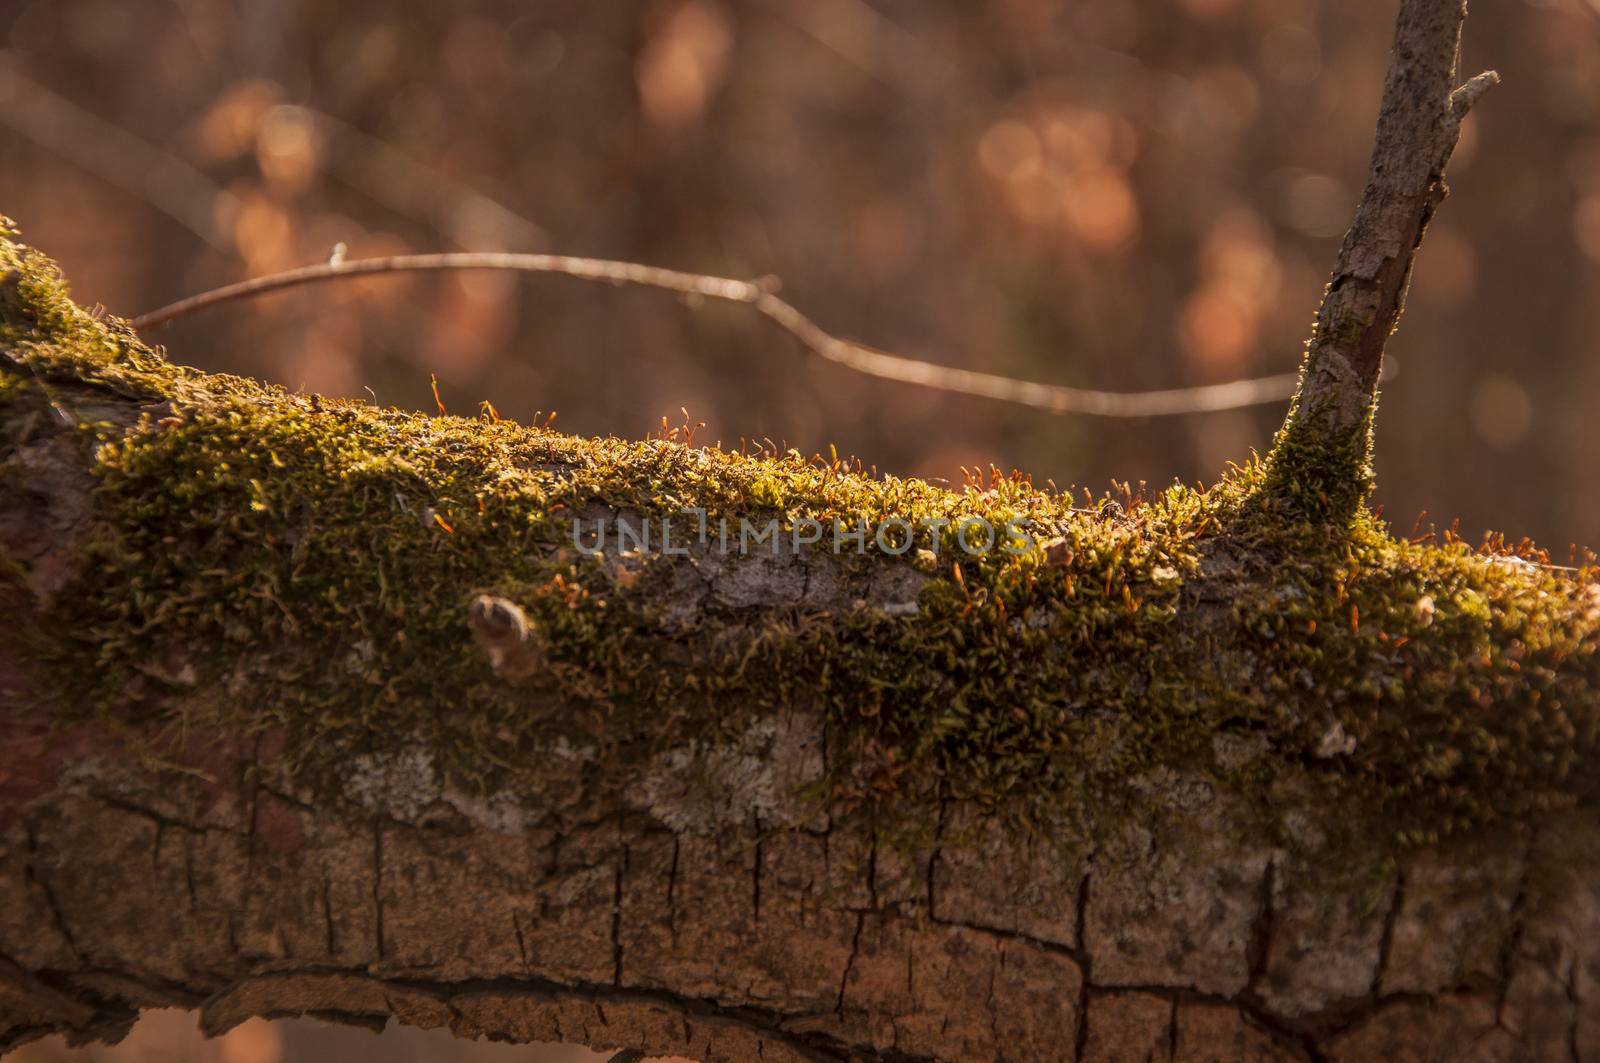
{"points": [[315, 558]]}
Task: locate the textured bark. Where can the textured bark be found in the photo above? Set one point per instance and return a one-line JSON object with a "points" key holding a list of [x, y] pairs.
{"points": [[602, 922], [1418, 127]]}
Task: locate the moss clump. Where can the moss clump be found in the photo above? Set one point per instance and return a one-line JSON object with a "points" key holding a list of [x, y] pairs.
{"points": [[1314, 473], [39, 318], [273, 561], [1311, 478]]}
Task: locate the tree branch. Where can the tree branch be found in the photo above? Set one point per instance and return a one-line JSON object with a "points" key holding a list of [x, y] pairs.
{"points": [[1053, 398], [308, 707], [1320, 461]]}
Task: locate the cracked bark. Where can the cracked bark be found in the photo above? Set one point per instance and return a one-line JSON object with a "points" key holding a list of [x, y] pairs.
{"points": [[630, 915], [593, 921]]}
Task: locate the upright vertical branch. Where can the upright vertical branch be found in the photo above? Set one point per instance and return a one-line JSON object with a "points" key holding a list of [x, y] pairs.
{"points": [[1320, 461]]}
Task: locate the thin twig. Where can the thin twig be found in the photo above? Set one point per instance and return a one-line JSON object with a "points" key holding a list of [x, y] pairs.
{"points": [[1418, 127], [760, 295]]}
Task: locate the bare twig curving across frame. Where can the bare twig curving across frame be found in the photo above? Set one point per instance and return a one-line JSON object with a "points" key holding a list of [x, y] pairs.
{"points": [[1054, 398]]}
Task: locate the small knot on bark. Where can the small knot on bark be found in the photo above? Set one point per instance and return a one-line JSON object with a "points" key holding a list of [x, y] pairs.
{"points": [[503, 631]]}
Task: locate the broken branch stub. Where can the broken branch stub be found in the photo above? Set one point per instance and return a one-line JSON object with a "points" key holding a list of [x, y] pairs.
{"points": [[504, 634]]}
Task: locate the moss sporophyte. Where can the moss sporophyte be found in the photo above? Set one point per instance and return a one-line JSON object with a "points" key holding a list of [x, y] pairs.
{"points": [[311, 563]]}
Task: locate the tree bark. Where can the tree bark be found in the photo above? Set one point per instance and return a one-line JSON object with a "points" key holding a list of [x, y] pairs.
{"points": [[1321, 456], [603, 923]]}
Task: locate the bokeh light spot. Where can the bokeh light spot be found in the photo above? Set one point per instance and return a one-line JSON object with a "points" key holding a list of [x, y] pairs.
{"points": [[683, 63], [1500, 410]]}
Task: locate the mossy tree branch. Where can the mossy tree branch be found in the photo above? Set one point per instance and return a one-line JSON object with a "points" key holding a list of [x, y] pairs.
{"points": [[312, 707], [1320, 462]]}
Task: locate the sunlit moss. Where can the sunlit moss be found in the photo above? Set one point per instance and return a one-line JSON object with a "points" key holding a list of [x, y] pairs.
{"points": [[309, 563]]}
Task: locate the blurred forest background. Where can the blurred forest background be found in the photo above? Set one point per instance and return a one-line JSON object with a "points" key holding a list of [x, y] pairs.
{"points": [[1117, 194]]}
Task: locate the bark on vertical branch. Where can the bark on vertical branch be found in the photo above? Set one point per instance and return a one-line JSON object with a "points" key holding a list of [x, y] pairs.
{"points": [[1321, 454]]}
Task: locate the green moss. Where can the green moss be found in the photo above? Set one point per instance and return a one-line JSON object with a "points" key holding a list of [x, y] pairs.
{"points": [[1312, 477], [42, 325], [312, 560], [1314, 473]]}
